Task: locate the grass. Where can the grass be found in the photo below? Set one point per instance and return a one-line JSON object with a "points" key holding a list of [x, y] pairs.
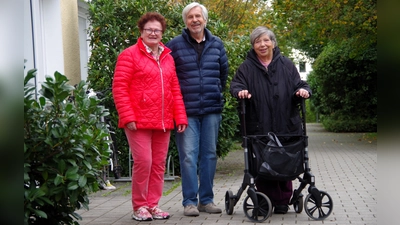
{"points": [[118, 188], [174, 186], [370, 137]]}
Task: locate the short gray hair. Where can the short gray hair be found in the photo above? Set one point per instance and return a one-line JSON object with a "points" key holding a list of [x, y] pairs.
{"points": [[189, 7], [261, 30]]}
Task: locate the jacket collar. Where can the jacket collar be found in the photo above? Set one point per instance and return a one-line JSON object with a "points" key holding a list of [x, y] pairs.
{"points": [[207, 35], [251, 55], [143, 47]]}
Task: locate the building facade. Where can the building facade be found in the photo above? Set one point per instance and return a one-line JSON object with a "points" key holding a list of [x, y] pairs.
{"points": [[56, 39]]}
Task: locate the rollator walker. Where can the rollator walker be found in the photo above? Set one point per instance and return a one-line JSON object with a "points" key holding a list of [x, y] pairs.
{"points": [[278, 157]]}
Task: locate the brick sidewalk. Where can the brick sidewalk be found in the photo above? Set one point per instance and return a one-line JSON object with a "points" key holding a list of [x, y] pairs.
{"points": [[344, 166]]}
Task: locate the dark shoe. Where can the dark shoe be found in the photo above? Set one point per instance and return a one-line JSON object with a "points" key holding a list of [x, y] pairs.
{"points": [[210, 208], [281, 209]]}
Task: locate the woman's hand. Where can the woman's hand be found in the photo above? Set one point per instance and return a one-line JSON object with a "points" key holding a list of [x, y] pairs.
{"points": [[181, 128], [131, 126], [303, 93], [244, 94]]}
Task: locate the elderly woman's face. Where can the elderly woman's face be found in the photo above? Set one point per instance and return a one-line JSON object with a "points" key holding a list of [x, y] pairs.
{"points": [[152, 33], [263, 46]]}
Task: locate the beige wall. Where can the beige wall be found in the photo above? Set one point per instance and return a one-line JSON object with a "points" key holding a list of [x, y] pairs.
{"points": [[70, 34]]}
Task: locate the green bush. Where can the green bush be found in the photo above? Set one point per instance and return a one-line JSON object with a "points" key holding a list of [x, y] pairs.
{"points": [[64, 149], [344, 123], [344, 87], [311, 116]]}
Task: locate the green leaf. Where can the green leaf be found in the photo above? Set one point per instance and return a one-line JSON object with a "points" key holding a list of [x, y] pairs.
{"points": [[55, 133], [72, 170], [42, 101], [78, 148], [71, 173], [45, 175], [36, 193], [82, 181], [79, 155], [61, 166], [72, 176], [30, 75], [68, 108], [26, 176], [72, 185], [40, 213], [87, 164], [58, 180], [72, 162]]}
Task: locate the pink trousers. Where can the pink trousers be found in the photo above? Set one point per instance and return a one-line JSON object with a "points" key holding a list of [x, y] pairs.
{"points": [[149, 152]]}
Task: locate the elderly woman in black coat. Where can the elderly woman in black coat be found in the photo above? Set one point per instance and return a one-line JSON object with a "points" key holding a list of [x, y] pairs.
{"points": [[271, 86]]}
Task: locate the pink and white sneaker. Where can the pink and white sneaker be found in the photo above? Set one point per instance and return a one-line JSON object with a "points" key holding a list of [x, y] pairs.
{"points": [[142, 214], [158, 214]]}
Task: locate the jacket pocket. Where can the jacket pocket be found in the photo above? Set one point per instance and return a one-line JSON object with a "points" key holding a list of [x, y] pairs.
{"points": [[294, 124]]}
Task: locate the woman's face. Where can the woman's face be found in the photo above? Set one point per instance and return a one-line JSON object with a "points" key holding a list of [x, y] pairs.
{"points": [[263, 46], [151, 33]]}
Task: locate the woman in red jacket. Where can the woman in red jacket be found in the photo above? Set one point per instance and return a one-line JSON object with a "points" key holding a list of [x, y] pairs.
{"points": [[148, 99]]}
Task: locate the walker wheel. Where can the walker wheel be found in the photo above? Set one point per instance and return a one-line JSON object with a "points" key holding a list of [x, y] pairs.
{"points": [[298, 204], [229, 202], [321, 212], [257, 212]]}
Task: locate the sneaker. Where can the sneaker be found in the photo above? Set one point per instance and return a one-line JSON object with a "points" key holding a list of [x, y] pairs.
{"points": [[102, 185], [191, 210], [142, 214], [281, 209], [210, 208], [158, 214], [109, 186]]}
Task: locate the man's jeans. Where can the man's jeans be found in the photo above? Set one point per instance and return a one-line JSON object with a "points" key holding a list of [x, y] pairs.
{"points": [[197, 147]]}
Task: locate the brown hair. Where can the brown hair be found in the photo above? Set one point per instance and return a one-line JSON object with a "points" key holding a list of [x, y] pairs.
{"points": [[150, 16]]}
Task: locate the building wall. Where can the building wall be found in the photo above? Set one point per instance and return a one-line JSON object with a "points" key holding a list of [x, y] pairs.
{"points": [[52, 37], [308, 69], [70, 40], [299, 58]]}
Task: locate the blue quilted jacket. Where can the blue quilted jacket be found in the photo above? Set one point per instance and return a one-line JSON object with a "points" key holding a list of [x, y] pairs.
{"points": [[202, 81]]}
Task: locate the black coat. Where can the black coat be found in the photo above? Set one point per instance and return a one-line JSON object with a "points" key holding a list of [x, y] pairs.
{"points": [[272, 106]]}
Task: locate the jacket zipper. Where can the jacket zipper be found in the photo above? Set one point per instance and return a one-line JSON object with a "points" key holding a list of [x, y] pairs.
{"points": [[162, 87], [162, 94]]}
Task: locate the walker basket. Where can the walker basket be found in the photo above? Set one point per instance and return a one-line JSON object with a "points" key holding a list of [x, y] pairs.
{"points": [[280, 159]]}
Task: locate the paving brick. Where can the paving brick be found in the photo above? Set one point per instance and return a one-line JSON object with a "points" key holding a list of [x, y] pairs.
{"points": [[343, 164]]}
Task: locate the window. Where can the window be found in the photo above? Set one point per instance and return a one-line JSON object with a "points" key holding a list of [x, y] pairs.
{"points": [[83, 38], [302, 67]]}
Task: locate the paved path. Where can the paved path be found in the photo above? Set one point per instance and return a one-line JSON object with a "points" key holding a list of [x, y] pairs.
{"points": [[344, 165]]}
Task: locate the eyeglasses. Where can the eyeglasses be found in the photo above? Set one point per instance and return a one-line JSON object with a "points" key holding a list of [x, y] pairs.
{"points": [[150, 31]]}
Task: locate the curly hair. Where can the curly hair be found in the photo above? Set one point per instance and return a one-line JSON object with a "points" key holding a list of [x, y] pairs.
{"points": [[151, 16]]}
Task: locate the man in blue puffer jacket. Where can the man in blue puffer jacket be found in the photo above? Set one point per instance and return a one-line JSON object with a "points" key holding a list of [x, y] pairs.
{"points": [[202, 69]]}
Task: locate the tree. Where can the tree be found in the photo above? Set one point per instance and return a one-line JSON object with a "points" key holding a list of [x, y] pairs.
{"points": [[310, 25], [240, 16], [342, 38]]}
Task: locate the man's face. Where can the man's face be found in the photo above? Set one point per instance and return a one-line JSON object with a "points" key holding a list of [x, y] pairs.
{"points": [[195, 21]]}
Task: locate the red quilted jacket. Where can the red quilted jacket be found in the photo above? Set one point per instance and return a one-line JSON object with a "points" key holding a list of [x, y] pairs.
{"points": [[146, 91]]}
